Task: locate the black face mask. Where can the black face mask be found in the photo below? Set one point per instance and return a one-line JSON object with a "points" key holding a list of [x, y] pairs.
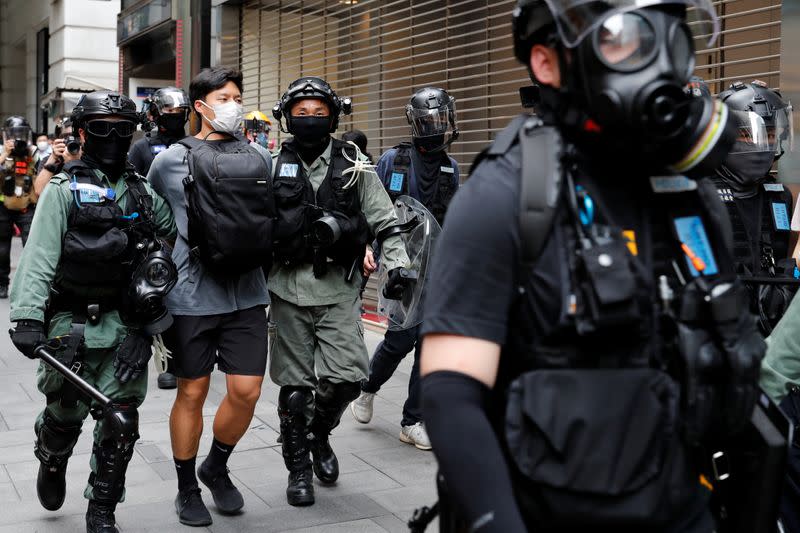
{"points": [[631, 104], [172, 123], [110, 153], [429, 143], [311, 132], [745, 171]]}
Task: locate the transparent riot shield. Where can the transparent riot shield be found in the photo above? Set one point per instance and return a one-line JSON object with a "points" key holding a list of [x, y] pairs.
{"points": [[419, 240]]}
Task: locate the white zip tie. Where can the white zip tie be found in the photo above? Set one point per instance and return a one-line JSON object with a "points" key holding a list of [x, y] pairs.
{"points": [[160, 354], [359, 165]]}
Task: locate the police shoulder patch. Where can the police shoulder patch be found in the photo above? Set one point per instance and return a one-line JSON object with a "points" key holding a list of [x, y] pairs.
{"points": [[288, 170]]}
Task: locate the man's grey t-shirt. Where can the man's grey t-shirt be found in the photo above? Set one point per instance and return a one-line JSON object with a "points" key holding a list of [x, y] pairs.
{"points": [[198, 291]]}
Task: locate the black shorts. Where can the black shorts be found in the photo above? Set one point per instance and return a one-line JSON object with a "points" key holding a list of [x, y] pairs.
{"points": [[236, 342]]}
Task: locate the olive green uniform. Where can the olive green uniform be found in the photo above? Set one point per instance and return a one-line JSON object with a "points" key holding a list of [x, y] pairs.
{"points": [[316, 331], [31, 288]]}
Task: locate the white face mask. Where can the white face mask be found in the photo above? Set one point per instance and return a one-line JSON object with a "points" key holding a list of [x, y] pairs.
{"points": [[228, 117], [42, 146]]}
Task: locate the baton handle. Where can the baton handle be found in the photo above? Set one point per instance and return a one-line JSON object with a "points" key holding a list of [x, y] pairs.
{"points": [[44, 354]]}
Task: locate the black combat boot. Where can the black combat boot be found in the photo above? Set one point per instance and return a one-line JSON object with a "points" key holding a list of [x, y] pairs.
{"points": [[330, 403], [53, 448], [292, 402], [100, 517]]}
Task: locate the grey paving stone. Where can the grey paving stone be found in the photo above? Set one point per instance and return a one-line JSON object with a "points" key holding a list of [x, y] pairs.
{"points": [[356, 526]]}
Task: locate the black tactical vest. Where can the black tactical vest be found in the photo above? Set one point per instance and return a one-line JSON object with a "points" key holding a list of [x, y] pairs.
{"points": [[400, 176], [299, 206], [99, 246]]}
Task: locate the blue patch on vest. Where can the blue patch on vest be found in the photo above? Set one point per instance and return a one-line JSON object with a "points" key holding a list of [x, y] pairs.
{"points": [[692, 233], [781, 216], [396, 185], [157, 148], [289, 170]]}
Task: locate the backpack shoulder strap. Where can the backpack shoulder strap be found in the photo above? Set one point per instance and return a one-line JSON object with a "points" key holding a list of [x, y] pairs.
{"points": [[191, 142], [540, 187]]}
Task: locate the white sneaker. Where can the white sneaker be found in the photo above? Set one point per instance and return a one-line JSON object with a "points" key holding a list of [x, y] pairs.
{"points": [[361, 407], [416, 435]]}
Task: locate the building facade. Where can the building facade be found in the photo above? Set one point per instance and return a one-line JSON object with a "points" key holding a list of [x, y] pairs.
{"points": [[53, 51]]}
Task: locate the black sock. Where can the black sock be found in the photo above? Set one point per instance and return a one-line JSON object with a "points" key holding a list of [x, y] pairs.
{"points": [[187, 479], [218, 456]]}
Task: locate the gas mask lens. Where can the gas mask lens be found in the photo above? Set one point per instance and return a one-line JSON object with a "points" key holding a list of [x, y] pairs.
{"points": [[158, 273], [626, 41]]}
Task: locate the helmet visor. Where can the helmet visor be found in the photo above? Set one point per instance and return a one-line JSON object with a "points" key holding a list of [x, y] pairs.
{"points": [[427, 122], [752, 132], [782, 138], [172, 102], [576, 19], [18, 132]]}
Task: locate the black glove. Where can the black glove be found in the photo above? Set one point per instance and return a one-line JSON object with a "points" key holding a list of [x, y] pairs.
{"points": [[396, 283], [132, 356], [27, 336]]}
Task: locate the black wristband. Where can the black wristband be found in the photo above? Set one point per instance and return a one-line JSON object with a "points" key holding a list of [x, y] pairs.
{"points": [[53, 169]]}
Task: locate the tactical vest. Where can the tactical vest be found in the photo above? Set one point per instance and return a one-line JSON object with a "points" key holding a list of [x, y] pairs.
{"points": [[299, 206], [18, 183], [400, 177], [603, 371], [99, 248]]}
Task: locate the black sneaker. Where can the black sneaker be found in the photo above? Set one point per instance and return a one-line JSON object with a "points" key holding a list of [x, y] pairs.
{"points": [[100, 518], [226, 496], [167, 381], [191, 509]]}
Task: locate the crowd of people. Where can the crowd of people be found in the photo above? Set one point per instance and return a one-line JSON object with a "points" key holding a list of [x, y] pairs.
{"points": [[593, 331]]}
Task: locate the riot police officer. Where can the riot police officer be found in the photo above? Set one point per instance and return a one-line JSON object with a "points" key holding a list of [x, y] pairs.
{"points": [[576, 298], [18, 162], [423, 170], [93, 282], [759, 206], [330, 205], [167, 112]]}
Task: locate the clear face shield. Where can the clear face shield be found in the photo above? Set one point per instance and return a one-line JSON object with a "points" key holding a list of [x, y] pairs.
{"points": [[753, 135], [781, 138], [575, 19], [429, 122], [18, 133], [172, 102]]}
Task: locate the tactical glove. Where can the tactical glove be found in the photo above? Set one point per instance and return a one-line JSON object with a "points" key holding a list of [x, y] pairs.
{"points": [[396, 283], [132, 356], [27, 336]]}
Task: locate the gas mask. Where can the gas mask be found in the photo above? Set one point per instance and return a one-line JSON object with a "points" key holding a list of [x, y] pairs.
{"points": [[624, 78], [107, 143], [20, 148], [155, 276]]}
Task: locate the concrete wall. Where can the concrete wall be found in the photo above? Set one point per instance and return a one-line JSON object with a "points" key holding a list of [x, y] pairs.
{"points": [[83, 51]]}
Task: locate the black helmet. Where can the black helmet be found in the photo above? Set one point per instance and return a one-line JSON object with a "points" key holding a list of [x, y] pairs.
{"points": [[311, 87], [168, 98], [531, 22], [99, 103], [431, 112], [768, 103], [16, 127], [697, 87]]}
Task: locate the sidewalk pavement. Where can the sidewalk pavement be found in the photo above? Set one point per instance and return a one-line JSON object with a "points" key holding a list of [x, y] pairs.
{"points": [[382, 480]]}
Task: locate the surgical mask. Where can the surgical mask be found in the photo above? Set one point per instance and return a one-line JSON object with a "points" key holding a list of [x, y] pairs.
{"points": [[429, 143], [110, 152], [229, 117], [311, 132], [745, 171], [42, 146], [624, 95], [173, 123]]}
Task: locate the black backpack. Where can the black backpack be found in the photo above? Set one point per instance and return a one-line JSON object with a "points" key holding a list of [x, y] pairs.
{"points": [[229, 205]]}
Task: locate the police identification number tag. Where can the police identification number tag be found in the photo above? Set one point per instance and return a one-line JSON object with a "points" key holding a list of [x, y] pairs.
{"points": [[396, 183], [89, 196], [773, 187], [781, 216], [448, 170], [692, 233], [158, 148], [289, 170]]}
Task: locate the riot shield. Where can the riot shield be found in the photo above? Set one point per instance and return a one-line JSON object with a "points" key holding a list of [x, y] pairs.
{"points": [[419, 241]]}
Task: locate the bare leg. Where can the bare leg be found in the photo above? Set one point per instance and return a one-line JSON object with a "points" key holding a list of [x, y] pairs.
{"points": [[236, 410], [186, 418]]}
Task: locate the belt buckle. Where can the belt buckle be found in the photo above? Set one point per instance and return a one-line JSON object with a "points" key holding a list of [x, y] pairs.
{"points": [[721, 466]]}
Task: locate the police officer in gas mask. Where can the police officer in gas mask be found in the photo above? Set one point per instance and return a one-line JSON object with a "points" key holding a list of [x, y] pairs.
{"points": [[585, 337], [330, 205], [167, 113], [759, 206], [91, 287]]}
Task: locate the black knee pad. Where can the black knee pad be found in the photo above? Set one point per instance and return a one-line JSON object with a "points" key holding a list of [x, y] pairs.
{"points": [[55, 441], [121, 423], [112, 455], [294, 399], [337, 393]]}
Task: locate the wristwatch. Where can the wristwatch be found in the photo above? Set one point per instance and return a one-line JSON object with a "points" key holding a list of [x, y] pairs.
{"points": [[53, 169]]}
